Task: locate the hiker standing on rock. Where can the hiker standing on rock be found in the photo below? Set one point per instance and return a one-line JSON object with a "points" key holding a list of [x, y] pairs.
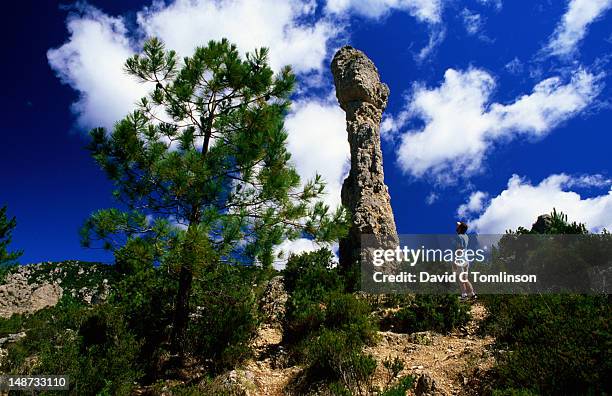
{"points": [[461, 266]]}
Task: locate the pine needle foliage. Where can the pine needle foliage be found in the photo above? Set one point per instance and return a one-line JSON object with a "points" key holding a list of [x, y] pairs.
{"points": [[202, 164]]}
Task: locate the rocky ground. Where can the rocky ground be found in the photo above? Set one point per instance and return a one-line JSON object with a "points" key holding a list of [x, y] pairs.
{"points": [[443, 365]]}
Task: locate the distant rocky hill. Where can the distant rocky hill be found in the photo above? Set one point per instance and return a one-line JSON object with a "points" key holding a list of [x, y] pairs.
{"points": [[28, 288]]}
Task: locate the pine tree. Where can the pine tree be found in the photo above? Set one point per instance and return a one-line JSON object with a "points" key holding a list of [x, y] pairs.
{"points": [[204, 158], [6, 229]]}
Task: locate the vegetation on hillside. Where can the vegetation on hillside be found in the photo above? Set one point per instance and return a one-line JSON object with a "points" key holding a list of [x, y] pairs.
{"points": [[553, 343]]}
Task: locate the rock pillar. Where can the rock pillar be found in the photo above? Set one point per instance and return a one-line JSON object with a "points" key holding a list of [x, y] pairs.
{"points": [[363, 97]]}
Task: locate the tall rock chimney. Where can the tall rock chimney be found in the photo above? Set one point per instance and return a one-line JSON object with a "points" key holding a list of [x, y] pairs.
{"points": [[363, 97]]}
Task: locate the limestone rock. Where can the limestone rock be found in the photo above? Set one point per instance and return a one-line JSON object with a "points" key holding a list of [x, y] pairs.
{"points": [[29, 288], [542, 224], [363, 97], [18, 296], [273, 300]]}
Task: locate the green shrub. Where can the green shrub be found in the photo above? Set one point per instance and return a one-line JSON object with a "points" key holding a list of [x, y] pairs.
{"points": [[312, 272], [90, 345], [325, 327], [348, 313], [400, 388], [311, 281], [441, 313], [335, 356], [145, 301], [303, 316], [557, 344], [11, 325], [225, 319]]}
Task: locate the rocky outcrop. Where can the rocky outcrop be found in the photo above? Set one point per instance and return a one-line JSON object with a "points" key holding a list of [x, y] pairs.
{"points": [[542, 224], [363, 97], [19, 296], [29, 288], [273, 300]]}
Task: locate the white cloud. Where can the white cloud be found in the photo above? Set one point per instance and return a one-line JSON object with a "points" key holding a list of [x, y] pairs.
{"points": [[431, 198], [91, 60], [473, 205], [297, 246], [574, 24], [461, 125], [495, 3], [472, 21], [185, 24], [318, 142], [522, 202], [515, 66], [436, 37], [424, 10]]}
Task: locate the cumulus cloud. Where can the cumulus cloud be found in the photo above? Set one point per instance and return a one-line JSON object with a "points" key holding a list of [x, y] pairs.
{"points": [[279, 25], [574, 24], [460, 124], [91, 60], [522, 202], [473, 205], [424, 10], [318, 143]]}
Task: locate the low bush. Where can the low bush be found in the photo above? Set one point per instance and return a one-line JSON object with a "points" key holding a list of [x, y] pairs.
{"points": [[553, 344], [556, 344], [400, 388], [11, 325], [440, 313], [225, 318], [336, 357], [325, 327], [90, 345], [318, 301], [312, 272]]}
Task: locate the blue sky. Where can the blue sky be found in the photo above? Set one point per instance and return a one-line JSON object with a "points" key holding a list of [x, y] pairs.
{"points": [[499, 110]]}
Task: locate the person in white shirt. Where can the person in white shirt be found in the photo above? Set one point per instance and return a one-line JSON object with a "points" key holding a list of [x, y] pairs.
{"points": [[462, 265]]}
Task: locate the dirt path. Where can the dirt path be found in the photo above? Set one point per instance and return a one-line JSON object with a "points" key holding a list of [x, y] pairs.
{"points": [[267, 374], [449, 360]]}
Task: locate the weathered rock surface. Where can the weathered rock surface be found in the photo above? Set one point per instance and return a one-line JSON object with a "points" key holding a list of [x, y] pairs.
{"points": [[29, 288], [363, 97], [273, 301], [542, 224], [18, 296]]}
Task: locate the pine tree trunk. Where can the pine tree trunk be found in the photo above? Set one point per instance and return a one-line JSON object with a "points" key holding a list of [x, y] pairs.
{"points": [[181, 313], [181, 309]]}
